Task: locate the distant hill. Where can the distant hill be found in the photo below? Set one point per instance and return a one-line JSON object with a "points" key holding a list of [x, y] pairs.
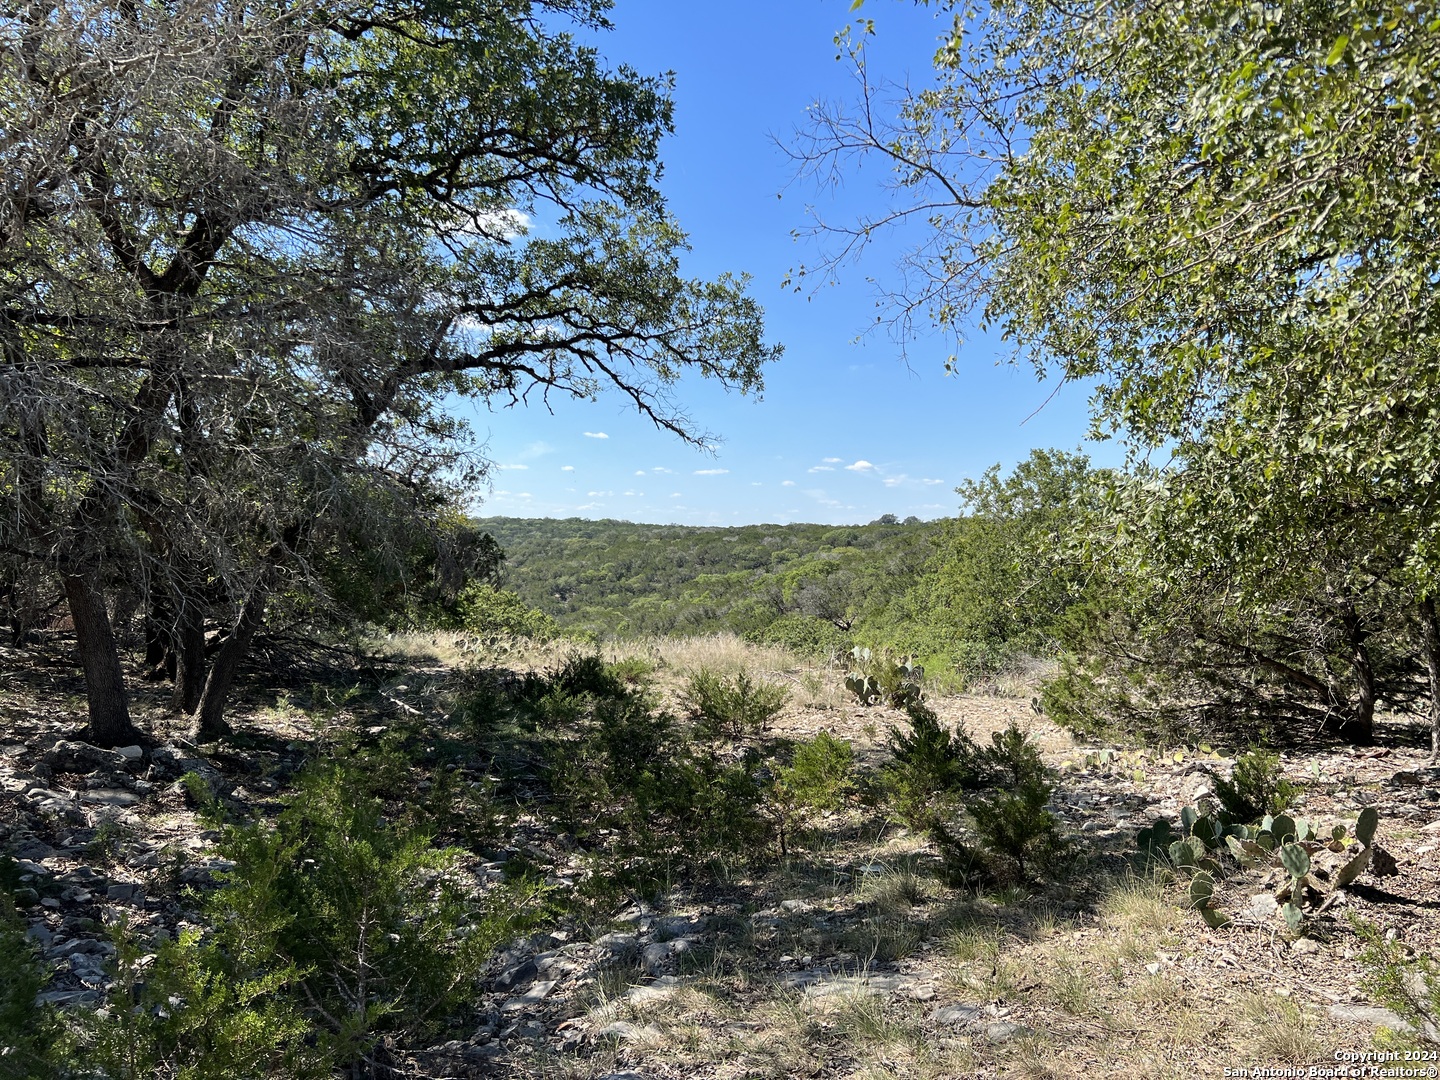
{"points": [[620, 578]]}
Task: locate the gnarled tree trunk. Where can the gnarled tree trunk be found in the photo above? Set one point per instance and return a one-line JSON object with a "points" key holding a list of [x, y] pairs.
{"points": [[209, 719], [100, 660]]}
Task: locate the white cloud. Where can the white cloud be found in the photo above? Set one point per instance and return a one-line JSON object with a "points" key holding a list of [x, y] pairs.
{"points": [[929, 480], [635, 494], [711, 472], [567, 468], [639, 472], [787, 483], [515, 494], [860, 466], [599, 494], [514, 466], [822, 468], [534, 450], [504, 224], [833, 460], [662, 469], [756, 483], [676, 495], [595, 434]]}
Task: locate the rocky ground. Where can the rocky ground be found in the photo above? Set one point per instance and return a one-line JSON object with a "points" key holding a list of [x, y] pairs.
{"points": [[847, 959]]}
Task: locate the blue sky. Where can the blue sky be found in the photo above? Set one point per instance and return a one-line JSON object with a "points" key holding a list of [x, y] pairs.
{"points": [[846, 431]]}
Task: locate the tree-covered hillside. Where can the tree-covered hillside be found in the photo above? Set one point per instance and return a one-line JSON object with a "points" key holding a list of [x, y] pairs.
{"points": [[620, 578]]}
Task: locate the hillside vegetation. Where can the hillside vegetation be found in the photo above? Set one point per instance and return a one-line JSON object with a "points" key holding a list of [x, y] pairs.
{"points": [[616, 578]]}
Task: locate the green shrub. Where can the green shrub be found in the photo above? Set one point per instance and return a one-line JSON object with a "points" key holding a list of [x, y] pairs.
{"points": [[31, 1046], [208, 1007], [1408, 985], [807, 635], [337, 930], [736, 708], [586, 673], [818, 776], [930, 769], [483, 609], [1254, 789], [633, 672], [1013, 821]]}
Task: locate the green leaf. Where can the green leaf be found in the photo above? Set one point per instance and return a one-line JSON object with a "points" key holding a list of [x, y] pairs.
{"points": [[1365, 827], [1296, 860], [1213, 918], [1336, 51], [1294, 917], [1352, 869], [1202, 888]]}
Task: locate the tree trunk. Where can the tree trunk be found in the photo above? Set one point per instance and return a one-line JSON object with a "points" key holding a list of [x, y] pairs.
{"points": [[157, 636], [1359, 726], [100, 660], [1430, 631], [209, 718], [189, 646]]}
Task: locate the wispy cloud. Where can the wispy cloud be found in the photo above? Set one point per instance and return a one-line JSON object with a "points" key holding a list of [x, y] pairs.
{"points": [[860, 466], [931, 480], [787, 483], [894, 481], [711, 472], [639, 472], [822, 468], [535, 450], [676, 495], [599, 494], [824, 499], [833, 460], [567, 468], [635, 494], [595, 434], [514, 466], [662, 469]]}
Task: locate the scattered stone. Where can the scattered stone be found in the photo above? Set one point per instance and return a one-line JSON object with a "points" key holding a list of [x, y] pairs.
{"points": [[110, 797], [79, 757], [130, 753], [620, 1029], [1370, 1014], [1263, 905], [1002, 1031], [1304, 946], [957, 1015], [536, 994], [619, 943], [518, 976], [653, 958]]}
